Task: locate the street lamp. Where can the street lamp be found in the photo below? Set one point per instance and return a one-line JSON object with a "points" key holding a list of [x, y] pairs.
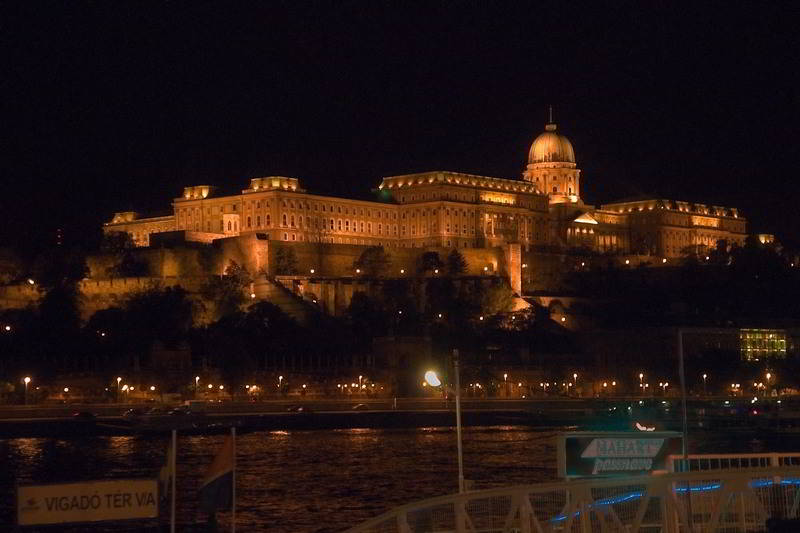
{"points": [[196, 385], [280, 381], [118, 380], [26, 380], [704, 384], [433, 380], [641, 375]]}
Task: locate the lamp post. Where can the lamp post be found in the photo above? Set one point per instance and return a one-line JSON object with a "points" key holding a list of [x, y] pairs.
{"points": [[196, 385], [768, 378], [432, 379], [641, 386], [118, 380], [26, 380], [705, 393], [575, 380]]}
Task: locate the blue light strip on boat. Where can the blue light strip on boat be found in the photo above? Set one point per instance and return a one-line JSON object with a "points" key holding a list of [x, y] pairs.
{"points": [[702, 488], [769, 482], [602, 503]]}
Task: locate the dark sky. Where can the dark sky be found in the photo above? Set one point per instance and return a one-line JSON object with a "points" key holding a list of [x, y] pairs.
{"points": [[113, 105]]}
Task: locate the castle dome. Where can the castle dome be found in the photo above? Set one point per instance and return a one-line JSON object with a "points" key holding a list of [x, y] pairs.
{"points": [[550, 147]]}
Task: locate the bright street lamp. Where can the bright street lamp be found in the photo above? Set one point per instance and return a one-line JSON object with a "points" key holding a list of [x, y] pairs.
{"points": [[26, 380], [704, 384], [433, 380]]}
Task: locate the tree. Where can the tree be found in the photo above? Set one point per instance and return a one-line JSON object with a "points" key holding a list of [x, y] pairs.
{"points": [[230, 352], [374, 261], [129, 266], [367, 318], [116, 242], [227, 291], [429, 262], [164, 314], [59, 267], [498, 298], [456, 264], [285, 261], [10, 265]]}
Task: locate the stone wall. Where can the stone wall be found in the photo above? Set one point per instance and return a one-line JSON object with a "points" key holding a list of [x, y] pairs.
{"points": [[334, 260]]}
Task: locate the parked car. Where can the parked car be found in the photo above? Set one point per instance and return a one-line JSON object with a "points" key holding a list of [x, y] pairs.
{"points": [[84, 416], [132, 414], [299, 409], [360, 407]]}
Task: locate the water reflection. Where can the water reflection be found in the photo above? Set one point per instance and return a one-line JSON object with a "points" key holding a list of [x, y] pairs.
{"points": [[315, 481]]}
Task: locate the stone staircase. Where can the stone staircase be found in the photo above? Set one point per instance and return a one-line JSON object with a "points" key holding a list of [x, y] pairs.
{"points": [[289, 303]]}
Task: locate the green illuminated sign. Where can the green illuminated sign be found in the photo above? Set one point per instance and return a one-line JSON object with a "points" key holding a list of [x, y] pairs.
{"points": [[587, 454]]}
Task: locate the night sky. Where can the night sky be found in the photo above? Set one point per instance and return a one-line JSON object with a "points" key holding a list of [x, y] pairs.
{"points": [[113, 106]]}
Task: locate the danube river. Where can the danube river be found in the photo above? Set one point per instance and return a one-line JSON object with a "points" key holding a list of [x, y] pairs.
{"points": [[313, 480]]}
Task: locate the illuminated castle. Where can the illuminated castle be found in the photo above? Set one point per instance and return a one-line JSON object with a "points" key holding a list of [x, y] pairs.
{"points": [[541, 211]]}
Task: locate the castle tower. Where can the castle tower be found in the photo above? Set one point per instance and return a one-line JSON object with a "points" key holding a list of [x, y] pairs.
{"points": [[551, 166]]}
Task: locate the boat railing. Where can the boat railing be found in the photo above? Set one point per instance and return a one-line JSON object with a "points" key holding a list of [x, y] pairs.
{"points": [[708, 501], [728, 461]]}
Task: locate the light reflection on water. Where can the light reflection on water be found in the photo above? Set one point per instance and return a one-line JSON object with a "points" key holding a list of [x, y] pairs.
{"points": [[310, 480]]}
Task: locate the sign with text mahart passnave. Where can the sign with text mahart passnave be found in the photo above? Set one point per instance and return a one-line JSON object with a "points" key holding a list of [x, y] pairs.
{"points": [[588, 454], [87, 501]]}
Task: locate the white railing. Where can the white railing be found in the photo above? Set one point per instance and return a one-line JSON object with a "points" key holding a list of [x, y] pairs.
{"points": [[731, 461], [697, 502]]}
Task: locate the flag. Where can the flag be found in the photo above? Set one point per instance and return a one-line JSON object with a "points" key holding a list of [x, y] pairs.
{"points": [[216, 491], [166, 473]]}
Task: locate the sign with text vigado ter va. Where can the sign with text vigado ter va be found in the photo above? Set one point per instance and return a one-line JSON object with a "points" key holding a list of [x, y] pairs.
{"points": [[88, 501], [590, 454]]}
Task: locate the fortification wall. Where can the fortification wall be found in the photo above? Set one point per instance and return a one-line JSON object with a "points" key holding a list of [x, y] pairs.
{"points": [[18, 296], [333, 260]]}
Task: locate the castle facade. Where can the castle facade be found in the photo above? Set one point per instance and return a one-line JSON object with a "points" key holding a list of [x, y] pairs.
{"points": [[541, 211]]}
